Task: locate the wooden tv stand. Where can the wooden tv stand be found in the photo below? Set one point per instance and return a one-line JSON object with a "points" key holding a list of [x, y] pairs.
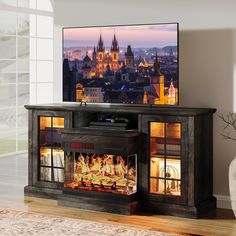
{"points": [[174, 164]]}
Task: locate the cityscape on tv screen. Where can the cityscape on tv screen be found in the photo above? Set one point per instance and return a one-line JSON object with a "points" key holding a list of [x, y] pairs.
{"points": [[135, 64]]}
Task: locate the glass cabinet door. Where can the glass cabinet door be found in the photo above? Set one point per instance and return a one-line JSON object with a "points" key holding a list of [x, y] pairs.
{"points": [[51, 163], [165, 158]]}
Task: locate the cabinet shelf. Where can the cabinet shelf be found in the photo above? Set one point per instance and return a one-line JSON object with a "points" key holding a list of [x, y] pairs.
{"points": [[161, 178], [173, 141], [165, 155], [169, 196], [54, 167], [46, 129]]}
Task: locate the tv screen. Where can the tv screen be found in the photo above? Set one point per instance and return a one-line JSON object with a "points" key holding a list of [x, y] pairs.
{"points": [[133, 64]]}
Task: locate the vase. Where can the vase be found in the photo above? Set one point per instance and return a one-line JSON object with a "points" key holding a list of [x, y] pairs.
{"points": [[232, 184]]}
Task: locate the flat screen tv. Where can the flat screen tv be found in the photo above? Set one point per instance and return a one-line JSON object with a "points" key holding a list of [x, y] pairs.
{"points": [[131, 64]]}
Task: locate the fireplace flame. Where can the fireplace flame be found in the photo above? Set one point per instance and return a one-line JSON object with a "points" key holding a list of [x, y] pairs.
{"points": [[103, 173]]}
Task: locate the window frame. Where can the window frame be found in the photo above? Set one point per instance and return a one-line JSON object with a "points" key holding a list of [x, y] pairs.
{"points": [[16, 9]]}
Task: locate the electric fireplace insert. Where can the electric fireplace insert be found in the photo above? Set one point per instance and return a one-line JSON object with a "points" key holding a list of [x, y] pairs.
{"points": [[100, 168], [101, 172]]}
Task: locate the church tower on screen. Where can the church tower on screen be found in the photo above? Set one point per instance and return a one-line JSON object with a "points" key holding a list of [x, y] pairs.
{"points": [[158, 81], [100, 56], [114, 54]]}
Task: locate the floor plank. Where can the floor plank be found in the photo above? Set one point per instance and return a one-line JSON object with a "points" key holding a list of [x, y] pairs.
{"points": [[13, 177]]}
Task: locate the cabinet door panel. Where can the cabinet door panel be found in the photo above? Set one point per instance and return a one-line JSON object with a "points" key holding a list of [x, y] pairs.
{"points": [[167, 178], [48, 157]]}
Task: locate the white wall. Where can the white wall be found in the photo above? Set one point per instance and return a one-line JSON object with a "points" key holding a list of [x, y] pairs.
{"points": [[207, 53]]}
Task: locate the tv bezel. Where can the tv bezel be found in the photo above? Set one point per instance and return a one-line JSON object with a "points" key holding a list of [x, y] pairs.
{"points": [[125, 104]]}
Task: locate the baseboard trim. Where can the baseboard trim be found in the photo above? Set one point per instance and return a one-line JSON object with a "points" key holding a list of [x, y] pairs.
{"points": [[223, 201]]}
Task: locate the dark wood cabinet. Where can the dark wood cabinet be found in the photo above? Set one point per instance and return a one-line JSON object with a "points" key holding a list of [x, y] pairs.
{"points": [[46, 156], [179, 163], [174, 157], [166, 158]]}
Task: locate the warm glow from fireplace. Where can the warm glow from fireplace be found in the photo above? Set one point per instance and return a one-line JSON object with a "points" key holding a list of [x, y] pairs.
{"points": [[104, 173]]}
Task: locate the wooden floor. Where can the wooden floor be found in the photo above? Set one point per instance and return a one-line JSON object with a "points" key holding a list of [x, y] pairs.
{"points": [[13, 177]]}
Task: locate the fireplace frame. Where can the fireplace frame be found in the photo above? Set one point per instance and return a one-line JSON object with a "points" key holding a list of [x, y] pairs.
{"points": [[100, 141]]}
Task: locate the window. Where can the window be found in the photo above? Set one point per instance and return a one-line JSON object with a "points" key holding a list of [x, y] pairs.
{"points": [[26, 66]]}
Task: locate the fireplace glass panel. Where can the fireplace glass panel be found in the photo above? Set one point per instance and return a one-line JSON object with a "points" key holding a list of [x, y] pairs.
{"points": [[165, 158], [101, 172]]}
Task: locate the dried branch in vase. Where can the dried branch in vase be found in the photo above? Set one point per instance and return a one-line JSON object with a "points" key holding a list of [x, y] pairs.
{"points": [[230, 124]]}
